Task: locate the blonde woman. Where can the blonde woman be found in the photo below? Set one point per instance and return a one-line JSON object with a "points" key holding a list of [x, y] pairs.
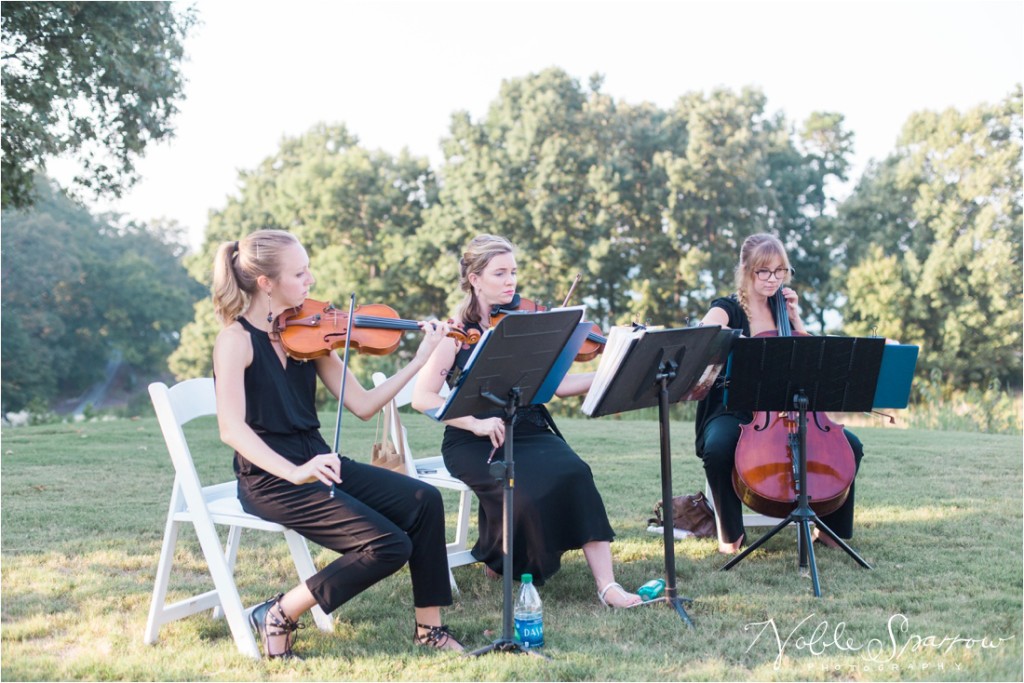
{"points": [[376, 519], [762, 272], [556, 505]]}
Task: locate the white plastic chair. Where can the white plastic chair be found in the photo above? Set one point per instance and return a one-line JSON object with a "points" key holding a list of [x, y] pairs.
{"points": [[203, 507], [432, 470], [749, 518]]}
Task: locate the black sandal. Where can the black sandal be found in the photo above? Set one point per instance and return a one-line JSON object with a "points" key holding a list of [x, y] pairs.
{"points": [[436, 637], [280, 625]]}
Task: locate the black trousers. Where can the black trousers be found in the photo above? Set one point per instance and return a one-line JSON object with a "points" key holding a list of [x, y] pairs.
{"points": [[378, 520], [718, 451]]}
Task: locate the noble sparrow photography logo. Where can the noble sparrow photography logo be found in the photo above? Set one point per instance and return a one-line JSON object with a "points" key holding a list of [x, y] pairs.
{"points": [[820, 638]]}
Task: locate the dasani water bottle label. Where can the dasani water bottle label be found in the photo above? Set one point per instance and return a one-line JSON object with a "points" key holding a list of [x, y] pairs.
{"points": [[529, 631]]}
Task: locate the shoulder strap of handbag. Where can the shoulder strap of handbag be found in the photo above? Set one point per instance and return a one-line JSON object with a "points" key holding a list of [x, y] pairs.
{"points": [[394, 426]]}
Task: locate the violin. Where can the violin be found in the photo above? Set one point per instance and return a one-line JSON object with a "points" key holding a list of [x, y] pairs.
{"points": [[596, 338], [592, 345], [518, 304], [768, 449], [316, 328]]}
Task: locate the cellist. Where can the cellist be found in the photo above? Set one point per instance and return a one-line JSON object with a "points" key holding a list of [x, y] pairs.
{"points": [[762, 271]]}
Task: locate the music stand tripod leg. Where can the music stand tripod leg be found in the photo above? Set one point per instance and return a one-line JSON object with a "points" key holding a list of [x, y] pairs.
{"points": [[840, 542], [665, 373]]}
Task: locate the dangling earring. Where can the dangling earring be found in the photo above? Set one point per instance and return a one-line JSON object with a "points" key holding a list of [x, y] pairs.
{"points": [[270, 314]]}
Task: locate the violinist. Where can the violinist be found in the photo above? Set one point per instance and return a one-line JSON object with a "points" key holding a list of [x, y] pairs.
{"points": [[378, 520], [763, 271], [556, 506]]}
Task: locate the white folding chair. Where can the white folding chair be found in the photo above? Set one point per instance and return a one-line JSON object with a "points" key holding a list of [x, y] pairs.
{"points": [[203, 507], [749, 518], [433, 471]]}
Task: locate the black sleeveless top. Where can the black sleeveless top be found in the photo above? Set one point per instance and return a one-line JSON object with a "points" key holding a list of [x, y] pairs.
{"points": [[713, 405], [280, 403], [278, 399]]}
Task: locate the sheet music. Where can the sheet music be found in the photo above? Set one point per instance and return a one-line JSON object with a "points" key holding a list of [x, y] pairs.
{"points": [[620, 340]]}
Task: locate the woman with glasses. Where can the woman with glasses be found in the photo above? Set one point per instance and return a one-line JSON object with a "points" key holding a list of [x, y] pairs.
{"points": [[762, 272]]}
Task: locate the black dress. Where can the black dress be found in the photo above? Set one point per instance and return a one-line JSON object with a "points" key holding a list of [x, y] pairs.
{"points": [[718, 432], [556, 505], [377, 519]]}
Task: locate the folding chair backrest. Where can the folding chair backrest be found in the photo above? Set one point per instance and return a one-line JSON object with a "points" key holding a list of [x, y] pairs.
{"points": [[175, 407], [399, 434], [431, 469]]}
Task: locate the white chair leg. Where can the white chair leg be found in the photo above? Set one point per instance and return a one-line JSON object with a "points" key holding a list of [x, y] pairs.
{"points": [[163, 575], [231, 557], [224, 583], [462, 525], [461, 544], [305, 568]]}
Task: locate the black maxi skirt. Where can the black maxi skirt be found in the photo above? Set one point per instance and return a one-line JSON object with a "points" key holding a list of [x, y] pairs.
{"points": [[555, 505]]}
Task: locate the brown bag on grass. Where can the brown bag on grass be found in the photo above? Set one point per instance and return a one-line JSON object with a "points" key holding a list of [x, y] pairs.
{"points": [[385, 453], [690, 513]]}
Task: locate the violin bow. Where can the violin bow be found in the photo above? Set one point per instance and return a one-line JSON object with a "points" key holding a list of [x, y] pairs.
{"points": [[344, 376], [571, 288]]}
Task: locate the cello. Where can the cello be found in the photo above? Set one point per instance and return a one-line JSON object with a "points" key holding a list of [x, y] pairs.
{"points": [[767, 453]]}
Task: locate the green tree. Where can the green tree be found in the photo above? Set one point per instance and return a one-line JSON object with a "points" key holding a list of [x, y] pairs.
{"points": [[97, 79], [649, 205], [357, 212], [935, 235], [76, 288]]}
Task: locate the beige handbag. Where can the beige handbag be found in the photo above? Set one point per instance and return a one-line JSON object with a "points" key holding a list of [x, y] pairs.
{"points": [[384, 453]]}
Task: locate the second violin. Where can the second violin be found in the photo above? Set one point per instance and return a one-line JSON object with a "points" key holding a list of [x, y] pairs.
{"points": [[316, 328], [592, 345]]}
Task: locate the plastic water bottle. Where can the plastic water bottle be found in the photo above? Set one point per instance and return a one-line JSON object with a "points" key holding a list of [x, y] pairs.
{"points": [[529, 616], [651, 590]]}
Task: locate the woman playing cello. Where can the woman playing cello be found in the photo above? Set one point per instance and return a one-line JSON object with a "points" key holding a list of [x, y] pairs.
{"points": [[762, 271]]}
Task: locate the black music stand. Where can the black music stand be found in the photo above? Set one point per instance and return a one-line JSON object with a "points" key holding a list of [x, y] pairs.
{"points": [[512, 362], [803, 374], [663, 367]]}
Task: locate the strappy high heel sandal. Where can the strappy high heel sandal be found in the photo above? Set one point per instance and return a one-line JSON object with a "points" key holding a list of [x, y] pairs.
{"points": [[280, 625], [437, 637], [622, 591]]}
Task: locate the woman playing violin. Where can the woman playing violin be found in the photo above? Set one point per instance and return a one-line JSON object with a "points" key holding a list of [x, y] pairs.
{"points": [[376, 519], [556, 506], [763, 271]]}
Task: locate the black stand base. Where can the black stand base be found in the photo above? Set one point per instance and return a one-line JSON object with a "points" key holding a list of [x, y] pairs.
{"points": [[506, 646], [677, 604], [802, 515], [805, 545]]}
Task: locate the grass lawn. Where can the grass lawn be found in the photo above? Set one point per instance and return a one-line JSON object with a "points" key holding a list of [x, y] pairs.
{"points": [[939, 517]]}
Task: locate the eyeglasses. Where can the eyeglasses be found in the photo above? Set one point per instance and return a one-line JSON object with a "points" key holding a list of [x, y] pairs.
{"points": [[780, 273]]}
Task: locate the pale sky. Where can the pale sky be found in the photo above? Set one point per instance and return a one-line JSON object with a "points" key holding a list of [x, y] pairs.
{"points": [[394, 71]]}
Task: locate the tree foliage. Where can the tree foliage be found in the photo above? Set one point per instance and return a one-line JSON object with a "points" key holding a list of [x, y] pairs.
{"points": [[97, 79], [933, 237], [357, 212], [76, 288], [650, 206]]}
